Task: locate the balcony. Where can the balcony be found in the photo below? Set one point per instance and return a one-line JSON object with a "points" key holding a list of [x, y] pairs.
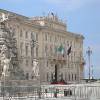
{"points": [[57, 58]]}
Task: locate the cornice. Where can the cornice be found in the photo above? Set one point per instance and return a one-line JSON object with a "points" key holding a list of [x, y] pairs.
{"points": [[28, 21]]}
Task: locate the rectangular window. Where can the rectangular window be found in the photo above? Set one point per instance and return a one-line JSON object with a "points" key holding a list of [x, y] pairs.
{"points": [[37, 51], [27, 62], [75, 77], [27, 76], [21, 34], [67, 43], [47, 77], [36, 37], [21, 48], [32, 52], [46, 50], [55, 39], [26, 34], [32, 37], [50, 38], [69, 77], [46, 37], [52, 77], [72, 77], [47, 64], [26, 48]]}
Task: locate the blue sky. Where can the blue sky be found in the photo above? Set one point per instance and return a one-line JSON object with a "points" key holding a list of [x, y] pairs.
{"points": [[81, 16]]}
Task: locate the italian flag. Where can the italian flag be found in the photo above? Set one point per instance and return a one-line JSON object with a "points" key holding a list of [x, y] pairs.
{"points": [[60, 50]]}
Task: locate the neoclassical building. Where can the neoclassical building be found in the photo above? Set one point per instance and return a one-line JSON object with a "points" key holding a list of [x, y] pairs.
{"points": [[45, 40]]}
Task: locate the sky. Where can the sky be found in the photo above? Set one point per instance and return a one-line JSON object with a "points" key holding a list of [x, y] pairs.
{"points": [[81, 16]]}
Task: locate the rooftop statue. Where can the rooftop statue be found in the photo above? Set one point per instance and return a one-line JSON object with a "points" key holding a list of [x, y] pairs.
{"points": [[4, 17]]}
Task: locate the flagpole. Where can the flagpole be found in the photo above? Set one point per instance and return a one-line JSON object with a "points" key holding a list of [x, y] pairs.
{"points": [[68, 53], [68, 68], [92, 72]]}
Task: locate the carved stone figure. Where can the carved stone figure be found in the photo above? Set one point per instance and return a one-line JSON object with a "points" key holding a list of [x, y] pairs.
{"points": [[6, 63], [4, 17], [35, 68], [9, 65]]}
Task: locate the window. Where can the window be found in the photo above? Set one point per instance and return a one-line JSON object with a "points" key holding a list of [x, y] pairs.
{"points": [[72, 77], [74, 44], [65, 76], [27, 76], [51, 50], [32, 77], [61, 76], [26, 48], [46, 50], [46, 91], [10, 27], [50, 38], [26, 62], [69, 77], [75, 77], [55, 38], [26, 34], [21, 34], [56, 49], [52, 77], [21, 48], [36, 37], [68, 44], [74, 56], [47, 64], [46, 37], [37, 51], [32, 37], [71, 56], [47, 76], [13, 31], [32, 52]]}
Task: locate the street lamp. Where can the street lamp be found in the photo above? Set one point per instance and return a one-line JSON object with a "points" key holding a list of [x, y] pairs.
{"points": [[92, 72], [89, 52]]}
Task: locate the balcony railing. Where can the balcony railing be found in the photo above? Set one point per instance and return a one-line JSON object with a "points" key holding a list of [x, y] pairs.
{"points": [[59, 92]]}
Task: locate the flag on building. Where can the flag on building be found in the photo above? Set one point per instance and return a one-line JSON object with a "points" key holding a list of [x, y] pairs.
{"points": [[60, 50], [69, 50], [52, 13]]}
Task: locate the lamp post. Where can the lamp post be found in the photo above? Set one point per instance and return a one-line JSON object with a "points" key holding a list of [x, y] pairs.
{"points": [[89, 52], [92, 72]]}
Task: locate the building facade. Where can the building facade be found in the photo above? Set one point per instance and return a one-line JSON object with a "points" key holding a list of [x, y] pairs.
{"points": [[59, 53]]}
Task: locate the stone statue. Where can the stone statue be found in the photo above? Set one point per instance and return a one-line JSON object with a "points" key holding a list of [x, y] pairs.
{"points": [[4, 17], [35, 68], [5, 61]]}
